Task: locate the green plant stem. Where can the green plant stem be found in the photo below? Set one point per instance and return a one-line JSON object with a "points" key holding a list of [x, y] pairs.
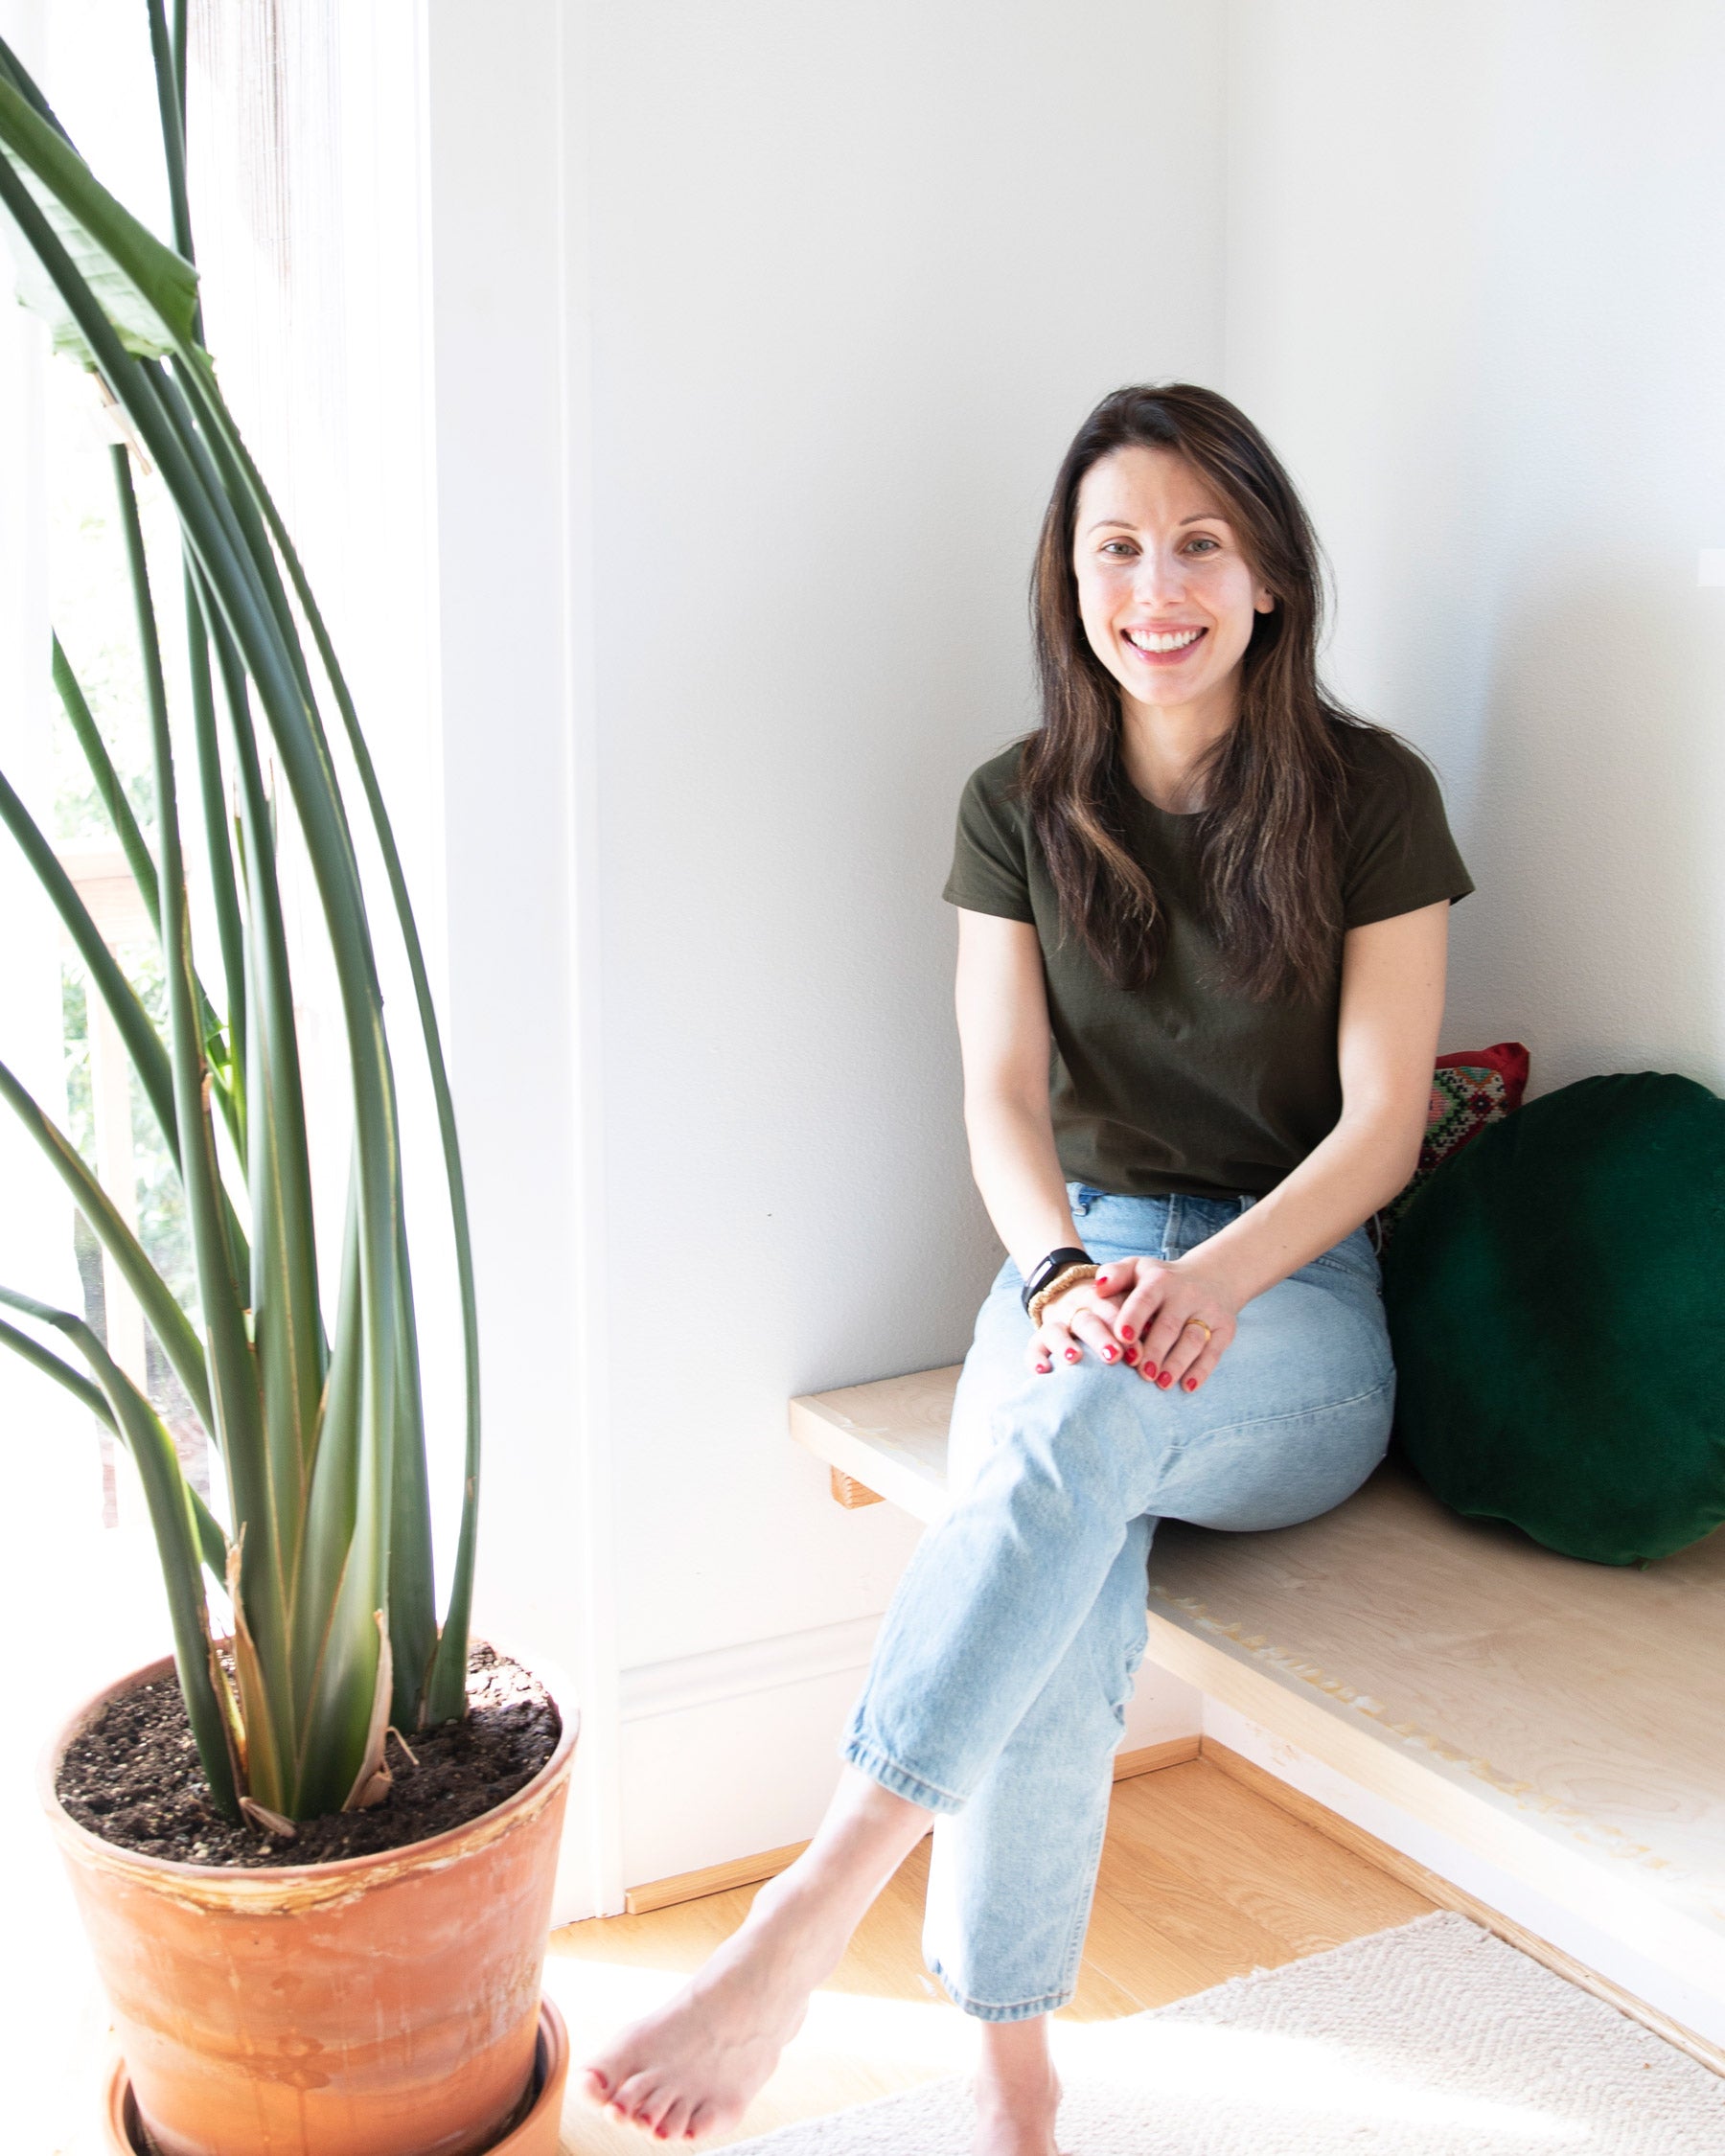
{"points": [[167, 1319], [446, 1697], [168, 1495], [138, 860], [143, 1044], [218, 848], [133, 842], [212, 1542]]}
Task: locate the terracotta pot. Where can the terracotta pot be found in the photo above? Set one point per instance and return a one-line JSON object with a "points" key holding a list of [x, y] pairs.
{"points": [[379, 2005], [539, 2134]]}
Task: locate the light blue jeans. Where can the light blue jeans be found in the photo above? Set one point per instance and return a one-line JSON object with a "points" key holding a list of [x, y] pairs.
{"points": [[998, 1690]]}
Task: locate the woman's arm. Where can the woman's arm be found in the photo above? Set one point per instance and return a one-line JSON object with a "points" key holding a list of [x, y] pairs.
{"points": [[1392, 1007], [1004, 1035]]}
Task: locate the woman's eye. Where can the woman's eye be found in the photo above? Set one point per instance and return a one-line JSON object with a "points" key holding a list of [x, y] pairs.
{"points": [[1116, 547], [1202, 544]]}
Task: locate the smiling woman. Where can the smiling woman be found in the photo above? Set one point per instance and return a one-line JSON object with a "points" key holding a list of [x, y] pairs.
{"points": [[1213, 906]]}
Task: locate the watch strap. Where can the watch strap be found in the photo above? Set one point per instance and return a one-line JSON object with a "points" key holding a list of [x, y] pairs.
{"points": [[1041, 1274]]}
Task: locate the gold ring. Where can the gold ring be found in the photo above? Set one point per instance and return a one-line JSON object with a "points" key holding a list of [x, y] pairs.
{"points": [[1200, 1325]]}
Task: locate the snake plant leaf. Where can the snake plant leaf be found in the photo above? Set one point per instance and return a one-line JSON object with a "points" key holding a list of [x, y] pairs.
{"points": [[166, 1318], [168, 1495], [147, 292], [212, 1540], [329, 1563]]}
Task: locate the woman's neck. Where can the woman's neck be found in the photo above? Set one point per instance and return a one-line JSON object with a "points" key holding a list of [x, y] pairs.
{"points": [[1164, 745]]}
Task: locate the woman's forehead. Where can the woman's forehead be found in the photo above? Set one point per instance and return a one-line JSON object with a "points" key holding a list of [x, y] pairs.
{"points": [[1140, 484]]}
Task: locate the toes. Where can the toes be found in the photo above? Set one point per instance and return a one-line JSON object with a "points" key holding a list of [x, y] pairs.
{"points": [[712, 2118], [594, 2085], [671, 2121], [636, 2096], [650, 2112]]}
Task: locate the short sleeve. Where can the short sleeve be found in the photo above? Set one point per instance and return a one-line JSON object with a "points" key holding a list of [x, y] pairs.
{"points": [[1399, 854], [989, 873]]}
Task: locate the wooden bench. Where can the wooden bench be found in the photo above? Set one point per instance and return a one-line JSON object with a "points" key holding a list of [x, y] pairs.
{"points": [[1563, 1722]]}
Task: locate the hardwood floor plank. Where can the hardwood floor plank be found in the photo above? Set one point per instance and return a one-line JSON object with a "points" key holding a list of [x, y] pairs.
{"points": [[1273, 1871]]}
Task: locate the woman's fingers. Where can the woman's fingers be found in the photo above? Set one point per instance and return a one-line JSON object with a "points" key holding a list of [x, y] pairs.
{"points": [[1049, 1344], [1095, 1331], [1077, 1321], [1140, 1285], [1192, 1353]]}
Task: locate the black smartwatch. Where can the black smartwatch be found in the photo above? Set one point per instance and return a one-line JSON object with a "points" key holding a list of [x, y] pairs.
{"points": [[1055, 1262]]}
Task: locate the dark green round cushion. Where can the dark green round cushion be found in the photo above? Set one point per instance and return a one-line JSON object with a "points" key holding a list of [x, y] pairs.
{"points": [[1556, 1300]]}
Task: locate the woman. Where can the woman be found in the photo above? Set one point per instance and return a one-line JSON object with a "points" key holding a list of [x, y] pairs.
{"points": [[1216, 905]]}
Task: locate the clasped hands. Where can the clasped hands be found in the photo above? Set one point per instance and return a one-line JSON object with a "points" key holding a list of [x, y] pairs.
{"points": [[1170, 1321]]}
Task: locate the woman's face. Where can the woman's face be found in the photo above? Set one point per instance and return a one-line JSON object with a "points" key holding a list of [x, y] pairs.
{"points": [[1165, 593]]}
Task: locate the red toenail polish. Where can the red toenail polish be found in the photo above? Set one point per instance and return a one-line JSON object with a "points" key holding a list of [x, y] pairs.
{"points": [[1191, 1385], [1149, 1367], [1072, 1355], [1165, 1380], [1127, 1333], [1131, 1355]]}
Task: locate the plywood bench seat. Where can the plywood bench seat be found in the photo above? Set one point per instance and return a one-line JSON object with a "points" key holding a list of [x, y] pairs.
{"points": [[1564, 1721]]}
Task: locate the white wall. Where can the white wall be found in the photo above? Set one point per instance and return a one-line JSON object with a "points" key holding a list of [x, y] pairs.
{"points": [[838, 283], [854, 285], [760, 330], [1475, 296]]}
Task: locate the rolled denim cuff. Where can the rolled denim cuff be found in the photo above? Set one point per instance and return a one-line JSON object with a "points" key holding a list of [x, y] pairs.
{"points": [[876, 1765]]}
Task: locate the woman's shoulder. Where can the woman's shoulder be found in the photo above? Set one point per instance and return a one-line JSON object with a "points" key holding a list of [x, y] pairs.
{"points": [[996, 783], [1397, 851], [991, 853], [1385, 773]]}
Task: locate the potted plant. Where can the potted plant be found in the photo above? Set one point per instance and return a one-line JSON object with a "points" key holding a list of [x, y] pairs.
{"points": [[280, 1986]]}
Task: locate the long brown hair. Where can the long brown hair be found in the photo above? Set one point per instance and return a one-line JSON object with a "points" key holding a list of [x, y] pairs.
{"points": [[1268, 837]]}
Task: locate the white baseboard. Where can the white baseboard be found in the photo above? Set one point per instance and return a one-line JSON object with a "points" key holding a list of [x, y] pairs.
{"points": [[1670, 1990]]}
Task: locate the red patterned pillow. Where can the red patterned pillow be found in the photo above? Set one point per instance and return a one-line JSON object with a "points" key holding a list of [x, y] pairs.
{"points": [[1468, 1092]]}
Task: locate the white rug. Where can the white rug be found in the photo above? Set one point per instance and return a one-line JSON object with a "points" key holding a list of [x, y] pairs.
{"points": [[1434, 2039]]}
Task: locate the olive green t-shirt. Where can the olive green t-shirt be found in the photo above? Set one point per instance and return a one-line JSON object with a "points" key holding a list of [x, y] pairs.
{"points": [[1188, 1084]]}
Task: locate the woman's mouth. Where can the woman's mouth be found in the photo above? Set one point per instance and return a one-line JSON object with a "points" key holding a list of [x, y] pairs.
{"points": [[1162, 647]]}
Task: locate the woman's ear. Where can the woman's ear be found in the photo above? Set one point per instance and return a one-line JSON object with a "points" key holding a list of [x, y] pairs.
{"points": [[1265, 601]]}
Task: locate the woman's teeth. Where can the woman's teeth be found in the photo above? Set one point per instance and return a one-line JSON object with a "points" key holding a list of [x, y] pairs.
{"points": [[1173, 640]]}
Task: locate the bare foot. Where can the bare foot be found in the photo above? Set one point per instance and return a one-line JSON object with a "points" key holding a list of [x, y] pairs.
{"points": [[1016, 2092], [693, 2066]]}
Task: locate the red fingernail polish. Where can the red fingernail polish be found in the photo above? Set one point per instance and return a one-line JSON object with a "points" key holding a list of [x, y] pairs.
{"points": [[1165, 1380], [1127, 1333], [1191, 1383]]}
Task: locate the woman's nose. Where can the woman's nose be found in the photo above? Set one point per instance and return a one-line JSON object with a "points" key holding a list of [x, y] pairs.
{"points": [[1161, 578]]}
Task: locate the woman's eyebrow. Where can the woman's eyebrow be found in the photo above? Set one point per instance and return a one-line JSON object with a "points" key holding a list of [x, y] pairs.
{"points": [[1125, 523]]}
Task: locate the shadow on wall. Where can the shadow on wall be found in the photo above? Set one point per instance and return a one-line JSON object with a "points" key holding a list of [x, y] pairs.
{"points": [[1596, 829]]}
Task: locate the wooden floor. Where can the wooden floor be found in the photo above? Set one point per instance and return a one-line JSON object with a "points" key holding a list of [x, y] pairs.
{"points": [[1201, 1880]]}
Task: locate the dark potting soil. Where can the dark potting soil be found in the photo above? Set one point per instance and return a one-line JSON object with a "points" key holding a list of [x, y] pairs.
{"points": [[132, 1776]]}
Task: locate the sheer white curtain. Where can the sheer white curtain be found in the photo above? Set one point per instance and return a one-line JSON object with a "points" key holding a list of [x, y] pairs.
{"points": [[307, 165]]}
